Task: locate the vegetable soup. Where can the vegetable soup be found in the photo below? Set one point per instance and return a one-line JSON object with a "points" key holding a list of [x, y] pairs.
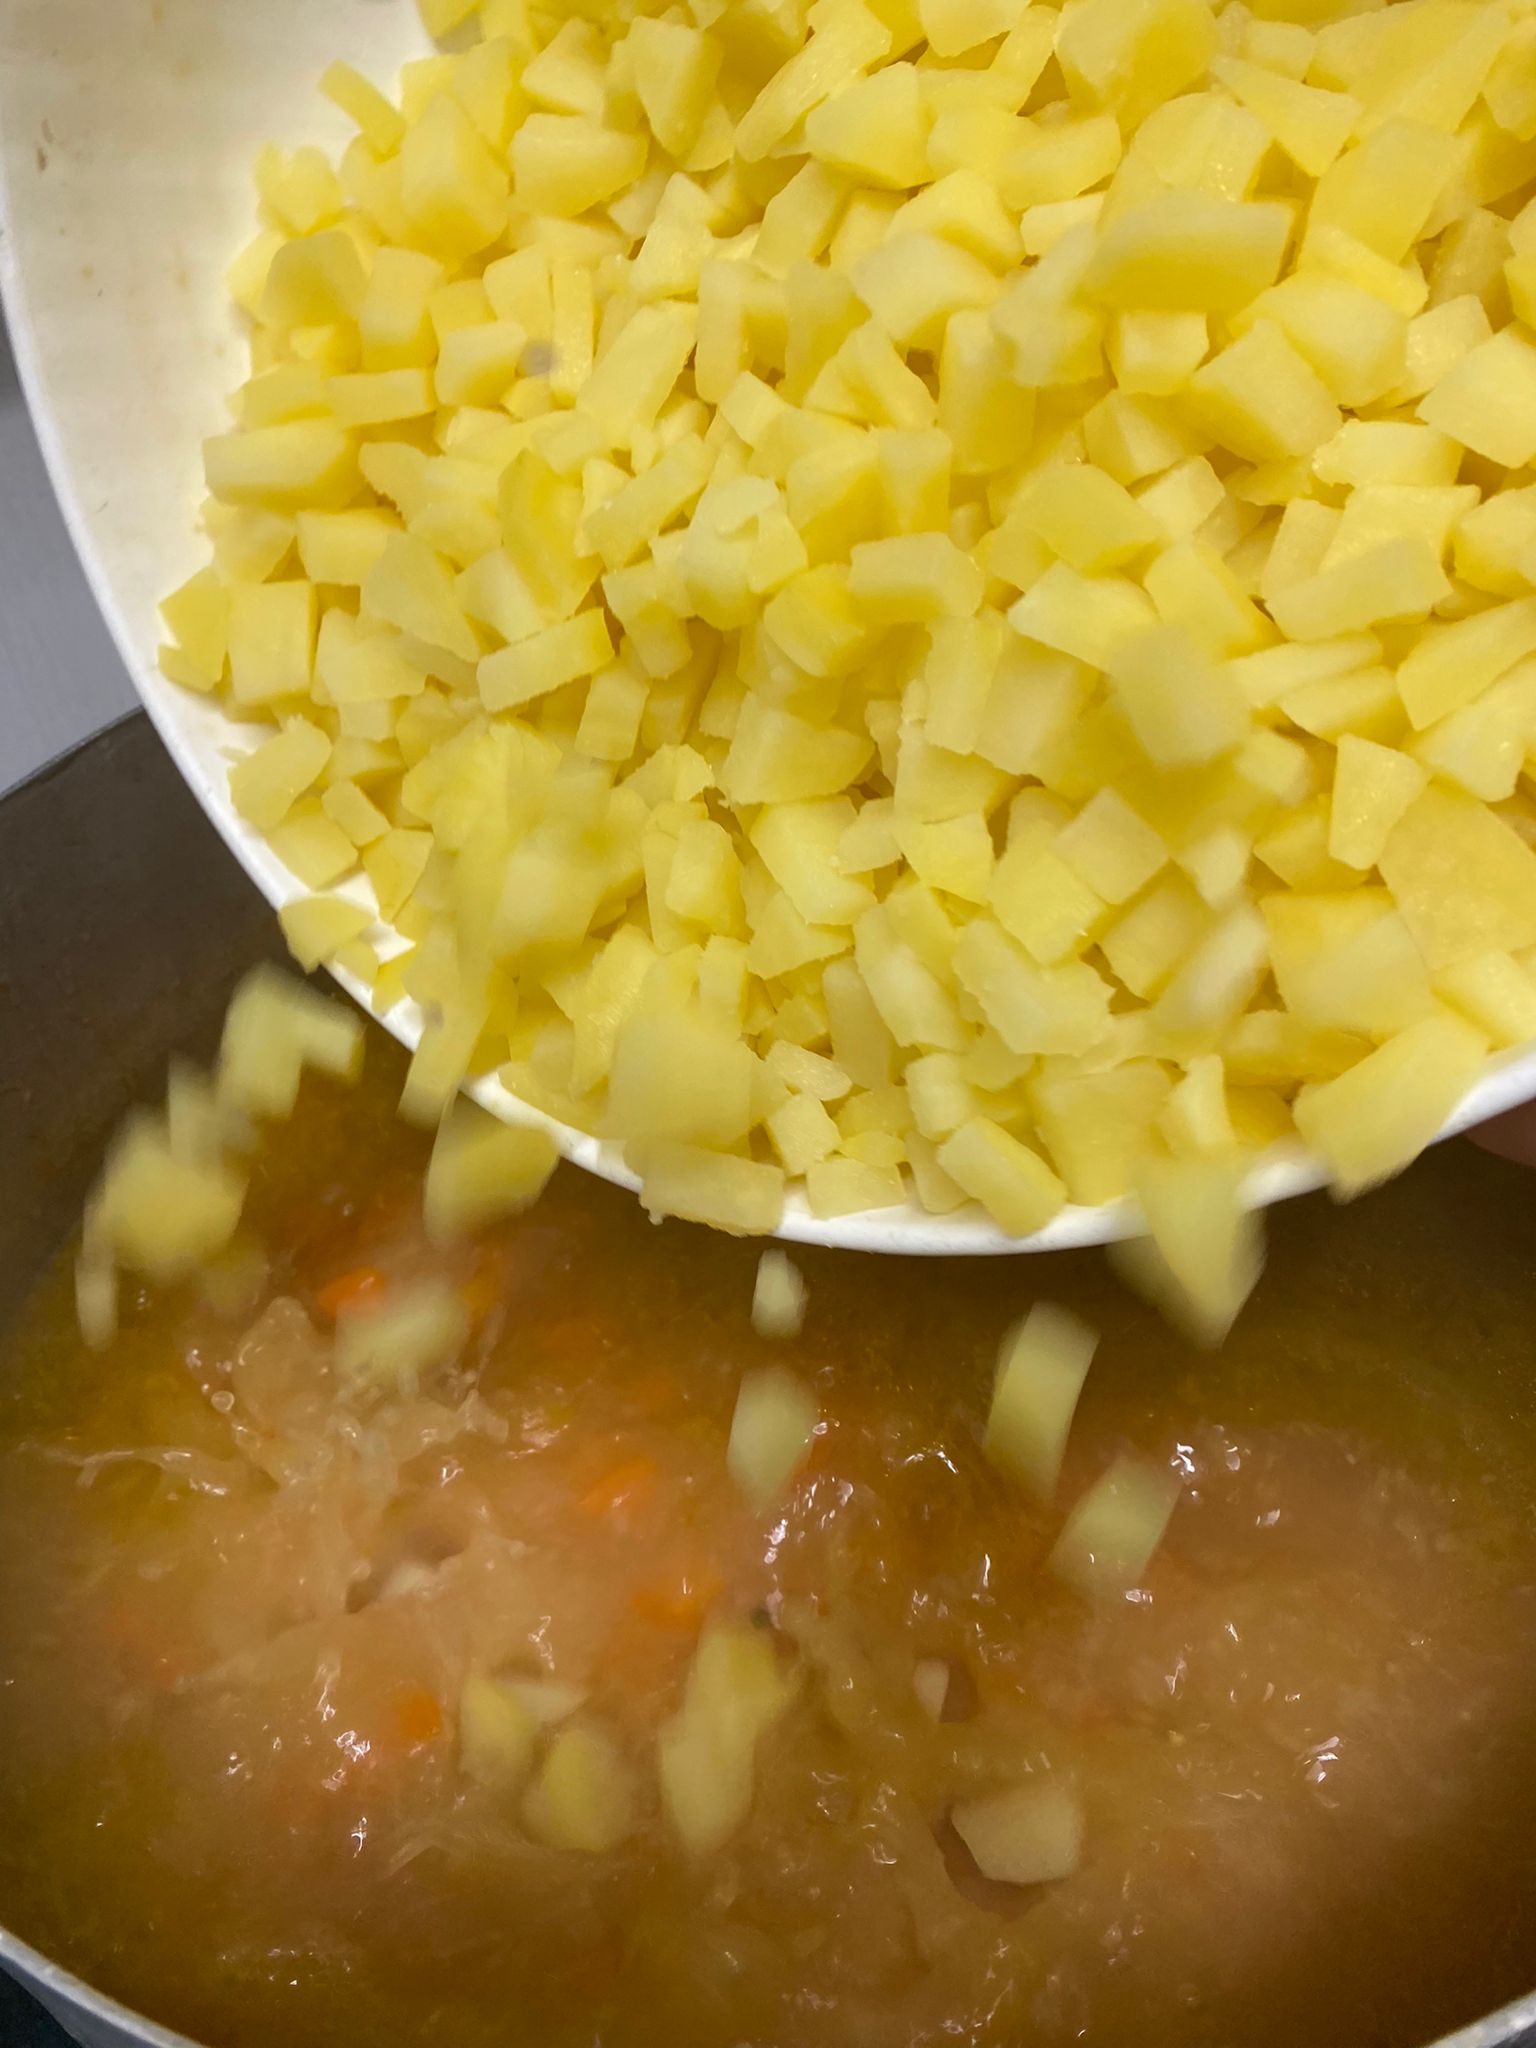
{"points": [[493, 1709]]}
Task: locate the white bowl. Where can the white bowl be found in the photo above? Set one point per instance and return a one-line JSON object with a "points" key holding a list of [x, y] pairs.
{"points": [[127, 133]]}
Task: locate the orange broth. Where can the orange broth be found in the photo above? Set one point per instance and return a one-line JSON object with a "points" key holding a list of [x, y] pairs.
{"points": [[237, 1608]]}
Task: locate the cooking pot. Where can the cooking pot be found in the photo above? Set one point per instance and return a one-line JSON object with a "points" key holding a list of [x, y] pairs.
{"points": [[124, 924]]}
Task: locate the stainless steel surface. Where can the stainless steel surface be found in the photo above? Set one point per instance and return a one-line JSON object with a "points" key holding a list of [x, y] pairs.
{"points": [[61, 679], [123, 925]]}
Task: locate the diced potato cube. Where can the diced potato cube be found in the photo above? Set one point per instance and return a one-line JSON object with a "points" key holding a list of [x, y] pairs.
{"points": [[1495, 543], [777, 757], [1157, 352], [545, 661], [1134, 58], [913, 578], [1373, 786], [1383, 190], [1487, 399], [1189, 252], [675, 68], [1310, 124], [478, 365], [1497, 992], [875, 129], [265, 785], [1182, 707], [913, 283], [317, 927], [498, 1733], [952, 27], [1012, 1183], [1450, 665], [584, 1795], [915, 1006], [849, 1186], [1346, 961], [1371, 1121], [1058, 162], [1113, 849], [311, 847], [1086, 617], [160, 1214], [1085, 517], [1031, 1833], [1261, 398], [365, 105], [1463, 878], [273, 1029], [271, 641], [410, 587], [1044, 903], [988, 417], [1399, 580], [452, 188], [778, 1301], [734, 1695], [737, 1195], [1355, 342], [198, 616], [1096, 1126], [1033, 1009]]}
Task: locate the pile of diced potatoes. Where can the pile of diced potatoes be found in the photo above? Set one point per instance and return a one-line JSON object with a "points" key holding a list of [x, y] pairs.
{"points": [[917, 598]]}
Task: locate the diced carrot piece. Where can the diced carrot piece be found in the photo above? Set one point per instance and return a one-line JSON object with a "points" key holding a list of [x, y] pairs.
{"points": [[678, 1603], [624, 1485], [418, 1716], [348, 1291]]}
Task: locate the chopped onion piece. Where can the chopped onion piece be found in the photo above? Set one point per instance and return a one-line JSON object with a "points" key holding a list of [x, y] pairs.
{"points": [[771, 1432], [1110, 1535], [1030, 1834], [778, 1296], [1041, 1369]]}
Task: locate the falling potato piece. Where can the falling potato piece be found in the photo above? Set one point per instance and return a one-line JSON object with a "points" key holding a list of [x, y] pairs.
{"points": [[1032, 1833], [1040, 1373], [162, 1215], [1205, 1250], [772, 1429], [274, 1028], [411, 1332], [482, 1169], [778, 1296], [1110, 1536]]}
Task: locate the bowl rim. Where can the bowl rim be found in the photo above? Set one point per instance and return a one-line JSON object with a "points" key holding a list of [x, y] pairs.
{"points": [[199, 735]]}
